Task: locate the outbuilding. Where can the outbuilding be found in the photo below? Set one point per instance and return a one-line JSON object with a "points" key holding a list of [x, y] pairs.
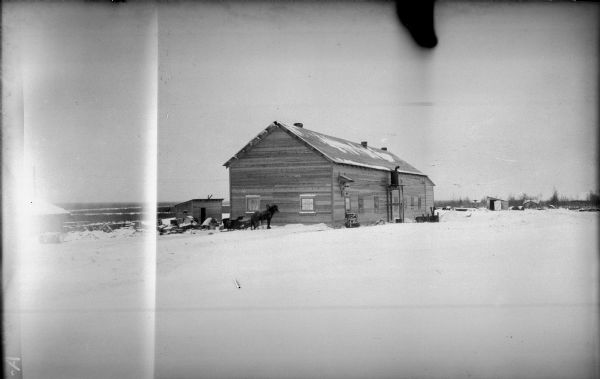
{"points": [[199, 209], [496, 204], [316, 178]]}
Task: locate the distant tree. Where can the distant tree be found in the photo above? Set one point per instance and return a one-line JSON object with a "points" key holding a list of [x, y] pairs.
{"points": [[554, 200], [594, 199], [523, 197], [563, 200]]}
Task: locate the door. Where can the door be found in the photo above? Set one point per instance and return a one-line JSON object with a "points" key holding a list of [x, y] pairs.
{"points": [[202, 215], [347, 203], [397, 211]]}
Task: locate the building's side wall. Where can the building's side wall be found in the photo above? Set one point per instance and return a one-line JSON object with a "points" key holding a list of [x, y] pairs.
{"points": [[181, 208], [417, 196], [279, 169], [369, 185]]}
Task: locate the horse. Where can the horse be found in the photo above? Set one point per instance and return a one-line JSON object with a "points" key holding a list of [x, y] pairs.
{"points": [[257, 217]]}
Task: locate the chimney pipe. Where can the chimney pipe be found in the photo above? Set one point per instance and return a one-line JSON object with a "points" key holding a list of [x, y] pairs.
{"points": [[384, 148], [298, 124], [364, 143]]}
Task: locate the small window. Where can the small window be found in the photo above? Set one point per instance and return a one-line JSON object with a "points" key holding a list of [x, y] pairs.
{"points": [[307, 203], [376, 203], [412, 201], [252, 203], [361, 204], [419, 203]]}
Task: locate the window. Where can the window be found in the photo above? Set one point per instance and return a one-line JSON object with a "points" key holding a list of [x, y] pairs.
{"points": [[252, 203], [419, 203], [376, 203], [361, 204], [412, 201], [307, 203]]}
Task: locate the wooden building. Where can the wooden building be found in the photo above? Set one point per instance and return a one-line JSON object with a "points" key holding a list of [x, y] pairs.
{"points": [[315, 178], [200, 209], [496, 204]]}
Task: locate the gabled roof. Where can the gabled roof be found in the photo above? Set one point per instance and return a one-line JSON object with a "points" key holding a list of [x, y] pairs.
{"points": [[337, 150]]}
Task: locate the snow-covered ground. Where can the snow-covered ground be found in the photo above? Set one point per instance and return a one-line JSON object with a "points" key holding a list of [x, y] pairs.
{"points": [[480, 294]]}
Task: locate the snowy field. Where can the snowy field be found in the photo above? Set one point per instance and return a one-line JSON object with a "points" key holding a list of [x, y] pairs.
{"points": [[480, 294]]}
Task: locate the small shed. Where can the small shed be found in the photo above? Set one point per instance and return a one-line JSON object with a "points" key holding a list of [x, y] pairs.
{"points": [[496, 204], [199, 209]]}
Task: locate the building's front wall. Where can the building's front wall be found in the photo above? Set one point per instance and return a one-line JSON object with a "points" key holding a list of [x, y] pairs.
{"points": [[281, 170], [213, 208], [496, 204]]}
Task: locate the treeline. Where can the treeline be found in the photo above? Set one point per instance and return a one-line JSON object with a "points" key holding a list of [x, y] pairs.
{"points": [[556, 200]]}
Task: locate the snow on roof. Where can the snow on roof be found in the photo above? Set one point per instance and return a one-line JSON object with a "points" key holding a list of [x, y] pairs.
{"points": [[341, 151], [195, 200], [42, 207]]}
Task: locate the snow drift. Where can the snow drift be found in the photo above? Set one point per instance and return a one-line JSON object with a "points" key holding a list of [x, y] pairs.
{"points": [[480, 294]]}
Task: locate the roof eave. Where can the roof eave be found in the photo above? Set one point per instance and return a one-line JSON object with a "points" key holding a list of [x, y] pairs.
{"points": [[306, 143], [285, 128]]}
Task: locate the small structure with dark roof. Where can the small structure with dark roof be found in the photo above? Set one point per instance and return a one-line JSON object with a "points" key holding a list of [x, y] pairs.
{"points": [[199, 209], [315, 178], [496, 204]]}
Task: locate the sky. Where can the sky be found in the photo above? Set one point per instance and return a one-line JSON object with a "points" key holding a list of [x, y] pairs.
{"points": [[506, 103]]}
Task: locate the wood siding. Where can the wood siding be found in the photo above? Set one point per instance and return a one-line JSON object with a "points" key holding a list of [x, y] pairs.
{"points": [[279, 169], [368, 184], [414, 188], [193, 208]]}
